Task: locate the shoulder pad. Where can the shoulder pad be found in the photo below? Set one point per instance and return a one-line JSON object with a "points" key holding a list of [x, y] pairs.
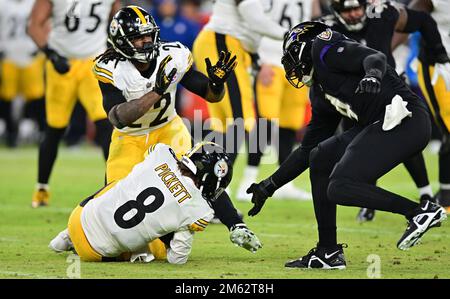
{"points": [[104, 71]]}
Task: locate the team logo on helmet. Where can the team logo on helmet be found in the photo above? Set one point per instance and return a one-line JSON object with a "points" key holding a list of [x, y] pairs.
{"points": [[114, 27], [326, 35], [221, 168]]}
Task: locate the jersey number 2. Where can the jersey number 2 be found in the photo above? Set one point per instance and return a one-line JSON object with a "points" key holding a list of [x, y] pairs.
{"points": [[139, 206]]}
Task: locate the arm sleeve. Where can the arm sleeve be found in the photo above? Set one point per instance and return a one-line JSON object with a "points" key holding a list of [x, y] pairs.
{"points": [[180, 247], [427, 26], [195, 82], [112, 96], [321, 127], [253, 13]]}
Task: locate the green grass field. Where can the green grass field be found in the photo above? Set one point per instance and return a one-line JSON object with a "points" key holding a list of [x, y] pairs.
{"points": [[286, 228]]}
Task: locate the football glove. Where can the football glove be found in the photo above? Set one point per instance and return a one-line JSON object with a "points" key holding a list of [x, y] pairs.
{"points": [[60, 63], [219, 73], [369, 84], [162, 79], [241, 236], [260, 192]]}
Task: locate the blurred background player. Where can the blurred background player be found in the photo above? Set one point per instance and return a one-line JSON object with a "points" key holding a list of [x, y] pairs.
{"points": [[236, 26], [22, 68], [434, 80], [276, 100], [184, 190], [77, 35], [363, 22]]}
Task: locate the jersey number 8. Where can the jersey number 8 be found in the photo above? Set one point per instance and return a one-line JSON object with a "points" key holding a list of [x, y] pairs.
{"points": [[140, 207]]}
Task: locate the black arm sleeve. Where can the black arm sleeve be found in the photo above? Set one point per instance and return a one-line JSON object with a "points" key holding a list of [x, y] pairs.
{"points": [[112, 96], [426, 25], [322, 126], [195, 82], [225, 211], [350, 56]]}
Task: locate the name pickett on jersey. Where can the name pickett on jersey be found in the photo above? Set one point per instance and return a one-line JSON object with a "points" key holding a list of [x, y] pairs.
{"points": [[124, 76]]}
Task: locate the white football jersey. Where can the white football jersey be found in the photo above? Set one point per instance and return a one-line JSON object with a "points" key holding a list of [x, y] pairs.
{"points": [[287, 13], [441, 14], [16, 43], [153, 200], [78, 27], [133, 85], [225, 19]]}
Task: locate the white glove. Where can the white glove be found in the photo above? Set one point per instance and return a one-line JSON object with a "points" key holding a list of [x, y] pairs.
{"points": [[442, 70], [241, 236]]}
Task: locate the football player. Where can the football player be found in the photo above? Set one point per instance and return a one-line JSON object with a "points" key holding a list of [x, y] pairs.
{"points": [[77, 34], [138, 77], [171, 199], [363, 22], [434, 81], [276, 100], [348, 79], [22, 69], [236, 26]]}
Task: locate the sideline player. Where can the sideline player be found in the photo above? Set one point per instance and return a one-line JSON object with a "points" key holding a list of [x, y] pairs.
{"points": [[276, 100], [171, 199], [22, 68], [77, 34]]}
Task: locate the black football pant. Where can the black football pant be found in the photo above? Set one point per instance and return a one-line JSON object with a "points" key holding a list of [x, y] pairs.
{"points": [[344, 169]]}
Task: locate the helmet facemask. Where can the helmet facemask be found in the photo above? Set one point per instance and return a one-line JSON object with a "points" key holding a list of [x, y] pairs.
{"points": [[298, 66]]}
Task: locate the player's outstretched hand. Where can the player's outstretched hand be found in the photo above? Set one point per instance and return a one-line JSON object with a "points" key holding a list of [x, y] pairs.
{"points": [[60, 63], [261, 192], [162, 79], [241, 236], [369, 84], [219, 73]]}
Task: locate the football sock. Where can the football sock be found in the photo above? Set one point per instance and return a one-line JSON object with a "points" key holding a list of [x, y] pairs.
{"points": [[287, 140], [426, 191], [103, 135], [258, 143], [35, 110], [11, 126], [48, 150], [417, 170]]}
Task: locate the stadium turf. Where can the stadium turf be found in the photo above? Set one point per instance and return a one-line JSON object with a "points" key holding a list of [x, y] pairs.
{"points": [[287, 230]]}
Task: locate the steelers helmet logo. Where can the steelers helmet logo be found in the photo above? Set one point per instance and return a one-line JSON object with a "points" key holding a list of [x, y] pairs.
{"points": [[114, 27], [220, 169]]}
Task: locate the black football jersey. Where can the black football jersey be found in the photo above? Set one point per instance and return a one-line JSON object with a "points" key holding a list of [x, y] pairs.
{"points": [[376, 34], [338, 69]]}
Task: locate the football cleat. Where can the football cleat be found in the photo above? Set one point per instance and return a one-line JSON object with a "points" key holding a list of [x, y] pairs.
{"points": [[428, 215], [61, 242], [443, 199], [40, 198], [321, 258], [426, 197], [365, 215], [290, 191]]}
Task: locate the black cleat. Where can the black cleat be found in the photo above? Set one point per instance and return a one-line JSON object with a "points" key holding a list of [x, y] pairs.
{"points": [[426, 197], [427, 215], [365, 215], [443, 199], [321, 258]]}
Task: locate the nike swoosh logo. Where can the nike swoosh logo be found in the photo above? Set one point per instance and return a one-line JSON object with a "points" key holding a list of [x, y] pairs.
{"points": [[327, 256], [425, 207]]}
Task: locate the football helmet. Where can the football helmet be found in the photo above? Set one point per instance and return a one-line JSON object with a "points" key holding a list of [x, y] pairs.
{"points": [[297, 58], [340, 6], [212, 166], [133, 22]]}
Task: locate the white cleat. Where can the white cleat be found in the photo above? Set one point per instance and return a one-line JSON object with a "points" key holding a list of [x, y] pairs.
{"points": [[61, 242], [289, 191]]}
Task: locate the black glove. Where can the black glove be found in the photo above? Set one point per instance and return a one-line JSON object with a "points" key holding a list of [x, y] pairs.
{"points": [[261, 192], [162, 79], [371, 83], [218, 73], [60, 63]]}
